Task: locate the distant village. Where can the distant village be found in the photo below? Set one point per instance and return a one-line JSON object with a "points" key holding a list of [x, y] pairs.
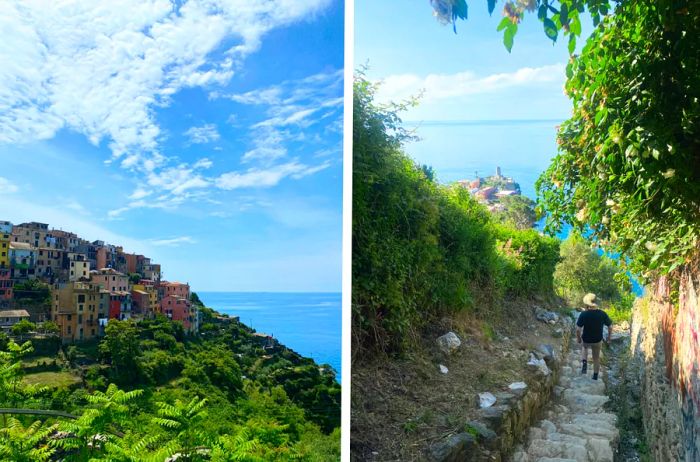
{"points": [[89, 282], [490, 190]]}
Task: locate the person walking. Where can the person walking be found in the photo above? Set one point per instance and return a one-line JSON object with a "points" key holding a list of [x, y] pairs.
{"points": [[589, 332]]}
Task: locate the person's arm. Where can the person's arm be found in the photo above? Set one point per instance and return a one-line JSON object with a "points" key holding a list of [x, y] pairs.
{"points": [[579, 327], [609, 324]]}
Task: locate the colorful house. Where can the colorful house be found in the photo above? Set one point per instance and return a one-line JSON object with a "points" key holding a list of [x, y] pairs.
{"points": [[176, 289], [77, 308], [9, 318], [22, 260], [77, 266], [180, 309], [110, 279], [6, 284], [4, 250]]}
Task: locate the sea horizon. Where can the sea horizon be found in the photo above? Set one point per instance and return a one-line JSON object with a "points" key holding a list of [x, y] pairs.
{"points": [[285, 315]]}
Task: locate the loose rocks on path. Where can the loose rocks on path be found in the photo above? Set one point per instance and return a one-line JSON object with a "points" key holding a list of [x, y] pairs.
{"points": [[576, 427]]}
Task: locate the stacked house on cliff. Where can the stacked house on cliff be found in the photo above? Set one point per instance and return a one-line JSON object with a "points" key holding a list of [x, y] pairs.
{"points": [[491, 189], [90, 282]]}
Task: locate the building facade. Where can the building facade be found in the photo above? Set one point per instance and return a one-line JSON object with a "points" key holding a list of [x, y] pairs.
{"points": [[77, 308]]}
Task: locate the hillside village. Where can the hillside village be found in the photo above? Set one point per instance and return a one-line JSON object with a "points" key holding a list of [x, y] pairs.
{"points": [[89, 283], [491, 189]]}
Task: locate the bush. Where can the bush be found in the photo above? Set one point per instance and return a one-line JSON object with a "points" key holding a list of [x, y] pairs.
{"points": [[583, 270], [421, 250]]}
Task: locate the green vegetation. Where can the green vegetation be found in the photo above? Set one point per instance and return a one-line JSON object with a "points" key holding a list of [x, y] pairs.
{"points": [[519, 212], [147, 392], [582, 270], [421, 250], [52, 379], [23, 327], [628, 169]]}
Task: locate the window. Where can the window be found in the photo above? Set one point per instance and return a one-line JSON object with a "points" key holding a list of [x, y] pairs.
{"points": [[81, 298]]}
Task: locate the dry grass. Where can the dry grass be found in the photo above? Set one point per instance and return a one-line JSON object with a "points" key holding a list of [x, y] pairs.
{"points": [[401, 406]]}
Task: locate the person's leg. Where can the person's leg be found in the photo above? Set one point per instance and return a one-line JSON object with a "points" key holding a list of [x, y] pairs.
{"points": [[595, 350], [584, 358]]}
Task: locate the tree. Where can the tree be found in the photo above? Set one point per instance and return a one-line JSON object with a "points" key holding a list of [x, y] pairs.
{"points": [[49, 327], [182, 420], [583, 270], [121, 346], [135, 278], [519, 211], [26, 444], [23, 327], [555, 15], [628, 170]]}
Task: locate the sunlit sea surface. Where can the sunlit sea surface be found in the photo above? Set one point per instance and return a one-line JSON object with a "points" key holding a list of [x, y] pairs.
{"points": [[308, 323]]}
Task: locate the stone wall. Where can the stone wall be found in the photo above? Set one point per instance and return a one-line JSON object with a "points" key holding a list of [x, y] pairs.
{"points": [[499, 428], [666, 341]]}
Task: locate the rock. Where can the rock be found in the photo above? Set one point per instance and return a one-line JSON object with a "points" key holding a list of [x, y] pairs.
{"points": [[599, 450], [517, 386], [486, 400], [539, 364], [548, 427], [443, 369], [558, 333], [449, 343], [547, 351], [494, 415], [544, 448], [546, 316], [455, 448], [483, 432]]}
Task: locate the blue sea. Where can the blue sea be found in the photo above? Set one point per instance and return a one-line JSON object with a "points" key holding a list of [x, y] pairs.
{"points": [[523, 149], [308, 323]]}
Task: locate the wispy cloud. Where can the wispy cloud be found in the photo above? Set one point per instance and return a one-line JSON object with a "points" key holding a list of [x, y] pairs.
{"points": [[436, 87], [7, 187], [265, 178], [172, 242], [204, 134], [102, 71]]}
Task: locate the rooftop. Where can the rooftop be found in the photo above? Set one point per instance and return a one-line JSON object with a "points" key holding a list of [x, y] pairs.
{"points": [[14, 314]]}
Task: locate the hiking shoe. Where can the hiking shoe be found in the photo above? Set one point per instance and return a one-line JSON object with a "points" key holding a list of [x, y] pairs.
{"points": [[595, 376], [584, 367]]}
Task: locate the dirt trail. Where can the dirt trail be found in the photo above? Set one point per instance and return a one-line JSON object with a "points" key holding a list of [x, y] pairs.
{"points": [[577, 427]]}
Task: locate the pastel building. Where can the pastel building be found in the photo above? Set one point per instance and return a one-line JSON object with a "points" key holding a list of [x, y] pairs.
{"points": [[77, 266], [6, 284], [66, 241], [120, 305], [176, 289], [9, 318], [22, 260], [49, 263], [110, 279], [144, 297], [34, 233], [180, 309], [5, 239], [77, 307]]}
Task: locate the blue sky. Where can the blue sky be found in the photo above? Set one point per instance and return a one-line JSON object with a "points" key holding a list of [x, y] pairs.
{"points": [[481, 107], [207, 136], [466, 76]]}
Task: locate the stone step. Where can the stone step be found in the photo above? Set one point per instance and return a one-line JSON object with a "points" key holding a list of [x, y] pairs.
{"points": [[577, 400], [557, 449]]}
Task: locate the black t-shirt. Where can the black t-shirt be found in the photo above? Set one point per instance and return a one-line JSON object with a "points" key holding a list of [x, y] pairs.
{"points": [[592, 322]]}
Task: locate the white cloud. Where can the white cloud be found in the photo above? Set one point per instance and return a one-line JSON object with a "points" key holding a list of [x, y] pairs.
{"points": [[101, 69], [7, 187], [265, 178], [204, 134], [436, 87], [172, 242], [20, 210]]}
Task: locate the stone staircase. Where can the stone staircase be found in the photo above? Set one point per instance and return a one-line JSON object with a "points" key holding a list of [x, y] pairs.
{"points": [[576, 427]]}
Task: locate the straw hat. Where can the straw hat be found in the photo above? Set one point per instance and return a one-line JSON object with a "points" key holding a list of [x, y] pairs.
{"points": [[590, 300]]}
